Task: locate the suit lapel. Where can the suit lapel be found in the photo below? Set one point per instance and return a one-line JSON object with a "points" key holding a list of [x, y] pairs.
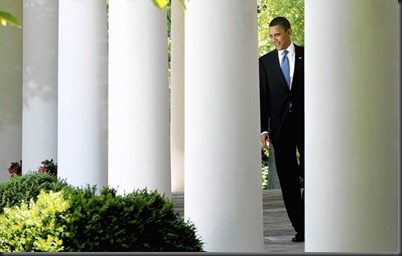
{"points": [[299, 59]]}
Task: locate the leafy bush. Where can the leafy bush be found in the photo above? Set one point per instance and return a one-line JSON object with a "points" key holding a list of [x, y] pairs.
{"points": [[141, 221], [100, 221], [34, 226], [264, 167], [23, 188]]}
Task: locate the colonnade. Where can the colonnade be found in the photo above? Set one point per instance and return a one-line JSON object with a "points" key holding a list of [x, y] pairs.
{"points": [[94, 97]]}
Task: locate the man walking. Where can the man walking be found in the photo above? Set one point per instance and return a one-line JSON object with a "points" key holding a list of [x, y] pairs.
{"points": [[282, 116]]}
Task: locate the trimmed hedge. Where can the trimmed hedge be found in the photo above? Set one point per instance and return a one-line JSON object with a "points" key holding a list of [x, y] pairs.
{"points": [[22, 188], [141, 221], [103, 221]]}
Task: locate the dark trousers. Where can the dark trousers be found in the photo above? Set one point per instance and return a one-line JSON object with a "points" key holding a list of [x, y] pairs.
{"points": [[289, 171]]}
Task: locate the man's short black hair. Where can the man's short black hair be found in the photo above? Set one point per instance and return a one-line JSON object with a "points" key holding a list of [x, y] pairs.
{"points": [[280, 21]]}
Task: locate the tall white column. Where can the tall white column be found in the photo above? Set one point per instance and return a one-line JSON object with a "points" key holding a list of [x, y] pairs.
{"points": [[11, 89], [177, 97], [223, 195], [82, 113], [352, 124], [39, 123], [139, 143]]}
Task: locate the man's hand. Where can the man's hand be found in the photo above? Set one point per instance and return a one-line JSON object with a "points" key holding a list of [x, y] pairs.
{"points": [[265, 140]]}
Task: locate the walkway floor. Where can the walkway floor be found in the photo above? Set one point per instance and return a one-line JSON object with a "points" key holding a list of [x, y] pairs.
{"points": [[278, 231]]}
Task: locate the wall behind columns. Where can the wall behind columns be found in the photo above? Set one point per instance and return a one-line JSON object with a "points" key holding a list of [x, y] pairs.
{"points": [[177, 97], [352, 126], [223, 194], [10, 90]]}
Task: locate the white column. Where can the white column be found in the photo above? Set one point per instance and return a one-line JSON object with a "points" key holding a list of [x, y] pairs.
{"points": [[177, 97], [139, 143], [82, 113], [11, 89], [352, 125], [223, 195], [39, 123]]}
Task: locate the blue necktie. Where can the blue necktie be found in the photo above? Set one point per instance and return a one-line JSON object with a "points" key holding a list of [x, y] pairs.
{"points": [[285, 67]]}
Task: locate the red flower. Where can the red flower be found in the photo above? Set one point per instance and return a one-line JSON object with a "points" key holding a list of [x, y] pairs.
{"points": [[47, 166], [15, 169], [41, 169]]}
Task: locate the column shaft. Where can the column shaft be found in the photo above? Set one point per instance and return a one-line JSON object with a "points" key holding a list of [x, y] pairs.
{"points": [[139, 149], [82, 113], [39, 123], [352, 113], [223, 194]]}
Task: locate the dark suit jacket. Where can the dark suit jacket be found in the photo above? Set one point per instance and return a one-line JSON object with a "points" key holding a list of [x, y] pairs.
{"points": [[275, 96]]}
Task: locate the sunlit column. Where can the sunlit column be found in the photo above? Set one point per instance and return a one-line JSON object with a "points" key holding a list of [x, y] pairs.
{"points": [[82, 112], [39, 123], [177, 97], [10, 89], [139, 142], [223, 194], [352, 125]]}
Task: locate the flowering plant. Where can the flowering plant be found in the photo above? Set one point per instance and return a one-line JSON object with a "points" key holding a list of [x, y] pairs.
{"points": [[48, 166], [15, 169]]}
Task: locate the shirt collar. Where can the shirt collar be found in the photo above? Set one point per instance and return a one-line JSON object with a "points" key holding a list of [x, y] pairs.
{"points": [[290, 49]]}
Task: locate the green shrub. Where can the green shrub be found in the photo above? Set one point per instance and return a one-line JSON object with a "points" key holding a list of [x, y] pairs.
{"points": [[34, 226], [264, 167], [141, 221], [22, 188], [103, 221]]}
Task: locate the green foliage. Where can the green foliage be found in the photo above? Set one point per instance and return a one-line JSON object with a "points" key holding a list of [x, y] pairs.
{"points": [[95, 221], [141, 221], [264, 167], [34, 226], [22, 188], [264, 176], [8, 18], [162, 3], [293, 10]]}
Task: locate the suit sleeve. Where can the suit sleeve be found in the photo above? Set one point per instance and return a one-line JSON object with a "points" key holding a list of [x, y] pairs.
{"points": [[264, 99]]}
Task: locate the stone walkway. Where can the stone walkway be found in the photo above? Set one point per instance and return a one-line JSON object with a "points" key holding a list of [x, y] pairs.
{"points": [[278, 231]]}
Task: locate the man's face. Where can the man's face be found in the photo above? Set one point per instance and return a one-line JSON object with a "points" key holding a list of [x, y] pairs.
{"points": [[279, 37]]}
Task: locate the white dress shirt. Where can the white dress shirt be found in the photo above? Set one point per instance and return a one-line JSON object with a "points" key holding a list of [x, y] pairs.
{"points": [[291, 56]]}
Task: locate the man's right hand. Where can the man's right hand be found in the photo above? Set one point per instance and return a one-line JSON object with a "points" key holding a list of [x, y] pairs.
{"points": [[265, 140]]}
